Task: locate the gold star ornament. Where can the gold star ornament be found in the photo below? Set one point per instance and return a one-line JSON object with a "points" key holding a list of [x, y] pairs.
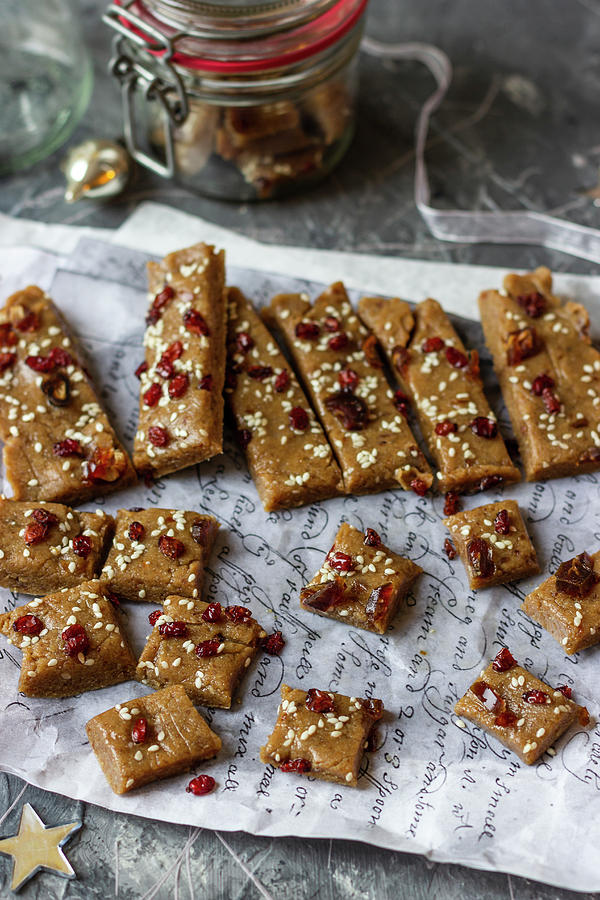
{"points": [[36, 846]]}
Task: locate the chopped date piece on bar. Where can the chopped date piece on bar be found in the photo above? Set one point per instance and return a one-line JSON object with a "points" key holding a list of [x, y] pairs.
{"points": [[288, 455], [321, 733], [361, 582], [152, 737], [567, 604], [442, 382], [518, 709], [70, 654], [182, 378], [156, 552], [493, 544], [208, 659], [51, 420], [348, 389]]}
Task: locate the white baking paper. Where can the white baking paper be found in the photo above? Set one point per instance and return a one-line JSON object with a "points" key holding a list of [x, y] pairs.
{"points": [[432, 787]]}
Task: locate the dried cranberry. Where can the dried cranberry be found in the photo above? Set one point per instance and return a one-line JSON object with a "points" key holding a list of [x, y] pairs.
{"points": [[282, 382], [153, 394], [299, 765], [451, 503], [378, 604], [540, 383], [551, 401], [449, 549], [208, 648], [68, 447], [75, 640], [259, 373], [488, 697], [350, 410], [480, 557], [502, 522], [158, 436], [522, 345], [348, 379], [419, 487], [534, 304], [239, 615], [82, 545], [369, 348], [39, 363], [331, 324], [165, 367], [338, 341], [402, 402], [373, 708], [7, 361], [432, 345], [534, 696], [592, 454], [29, 625], [456, 358], [400, 357], [298, 418], [244, 437], [139, 731], [136, 531], [44, 517], [213, 613], [155, 616], [143, 367], [446, 427], [170, 547], [503, 661], [490, 481], [35, 533], [200, 785], [273, 643], [505, 719], [30, 322], [323, 597], [159, 303], [196, 323], [576, 576], [484, 427], [565, 690], [173, 629], [307, 331], [60, 357], [339, 561], [200, 530], [244, 341], [178, 385], [319, 701], [371, 538], [7, 336]]}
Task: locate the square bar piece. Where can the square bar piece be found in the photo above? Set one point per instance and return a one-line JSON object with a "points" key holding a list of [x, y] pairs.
{"points": [[149, 738], [321, 734], [567, 604], [207, 657], [361, 582], [524, 713], [549, 373], [340, 367], [58, 442], [46, 548], [181, 379], [157, 552], [287, 452], [493, 544], [443, 384], [71, 642]]}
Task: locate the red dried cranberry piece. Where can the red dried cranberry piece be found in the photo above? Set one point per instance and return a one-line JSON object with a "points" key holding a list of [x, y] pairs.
{"points": [[170, 547], [371, 538], [143, 367], [153, 394], [338, 341], [44, 517], [373, 708], [369, 348], [446, 427], [506, 719], [35, 533], [139, 731], [339, 561], [244, 341], [136, 531], [178, 385], [534, 304], [307, 331], [7, 336], [592, 454], [522, 344], [273, 643], [323, 597], [298, 765], [213, 612], [209, 648], [7, 361], [456, 358], [281, 382], [75, 640], [350, 410], [158, 436], [319, 701], [419, 487], [484, 427], [206, 383], [449, 549], [39, 363], [259, 373], [155, 616], [432, 345], [173, 629], [348, 379], [28, 624], [240, 615], [502, 522], [244, 437], [490, 481], [298, 418], [540, 383], [565, 690], [30, 322], [551, 401], [200, 530], [195, 322], [60, 357], [400, 357], [68, 447], [402, 403], [159, 303], [165, 367], [503, 661], [378, 604], [488, 697], [480, 557], [451, 503], [576, 576], [200, 785], [82, 545], [331, 324], [536, 697]]}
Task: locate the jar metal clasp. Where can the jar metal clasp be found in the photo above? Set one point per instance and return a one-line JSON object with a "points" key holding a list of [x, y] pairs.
{"points": [[155, 77]]}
